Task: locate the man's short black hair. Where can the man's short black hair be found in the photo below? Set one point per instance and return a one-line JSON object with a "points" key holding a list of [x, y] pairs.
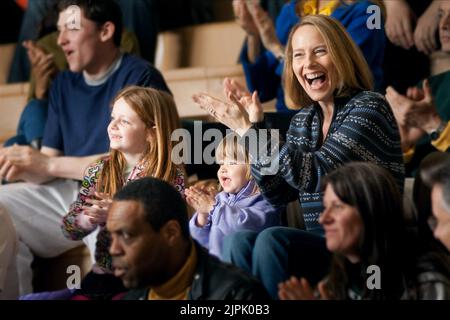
{"points": [[99, 11], [161, 202]]}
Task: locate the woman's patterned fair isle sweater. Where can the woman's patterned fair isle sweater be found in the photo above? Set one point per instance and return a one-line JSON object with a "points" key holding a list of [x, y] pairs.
{"points": [[363, 129]]}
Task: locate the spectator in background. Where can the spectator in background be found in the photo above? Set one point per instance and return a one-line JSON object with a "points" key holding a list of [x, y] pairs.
{"points": [[10, 16], [145, 18], [435, 172], [411, 28], [33, 25], [434, 248], [423, 114], [263, 53], [47, 59], [75, 133], [156, 258], [273, 7]]}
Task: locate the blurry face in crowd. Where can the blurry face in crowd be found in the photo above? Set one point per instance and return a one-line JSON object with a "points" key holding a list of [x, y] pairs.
{"points": [[342, 223], [127, 132], [442, 215], [232, 175], [312, 64], [79, 45], [139, 253], [444, 25]]}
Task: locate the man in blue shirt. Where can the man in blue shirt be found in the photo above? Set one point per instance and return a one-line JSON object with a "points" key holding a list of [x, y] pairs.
{"points": [[75, 133]]}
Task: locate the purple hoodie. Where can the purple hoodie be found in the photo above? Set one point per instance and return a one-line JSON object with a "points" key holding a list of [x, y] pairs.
{"points": [[234, 212]]}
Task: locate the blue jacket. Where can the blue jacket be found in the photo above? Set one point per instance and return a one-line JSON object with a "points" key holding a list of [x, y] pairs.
{"points": [[265, 74], [234, 212]]}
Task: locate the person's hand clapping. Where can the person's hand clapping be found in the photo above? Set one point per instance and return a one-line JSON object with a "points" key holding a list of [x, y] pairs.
{"points": [[231, 114], [98, 207], [202, 201], [237, 92], [244, 18], [426, 28], [399, 23], [295, 289]]}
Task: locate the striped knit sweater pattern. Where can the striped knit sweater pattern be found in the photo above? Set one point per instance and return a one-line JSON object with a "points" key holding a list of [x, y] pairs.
{"points": [[363, 129]]}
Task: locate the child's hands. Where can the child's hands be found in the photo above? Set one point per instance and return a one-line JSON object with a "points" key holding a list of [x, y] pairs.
{"points": [[202, 201], [98, 209]]}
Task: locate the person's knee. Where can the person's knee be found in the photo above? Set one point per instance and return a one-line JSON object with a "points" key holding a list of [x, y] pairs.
{"points": [[8, 253], [268, 236], [271, 242], [240, 240], [3, 215], [5, 220], [237, 243], [8, 239]]}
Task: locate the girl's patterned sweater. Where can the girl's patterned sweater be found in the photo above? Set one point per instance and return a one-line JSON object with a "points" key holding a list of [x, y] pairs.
{"points": [[76, 225]]}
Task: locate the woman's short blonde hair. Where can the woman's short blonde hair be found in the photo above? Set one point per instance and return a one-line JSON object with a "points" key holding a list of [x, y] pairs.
{"points": [[350, 64]]}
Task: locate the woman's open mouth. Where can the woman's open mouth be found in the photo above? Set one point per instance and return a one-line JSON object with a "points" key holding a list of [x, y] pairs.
{"points": [[316, 80]]}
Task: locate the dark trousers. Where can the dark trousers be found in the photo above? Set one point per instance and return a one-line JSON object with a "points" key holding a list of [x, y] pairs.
{"points": [[277, 253]]}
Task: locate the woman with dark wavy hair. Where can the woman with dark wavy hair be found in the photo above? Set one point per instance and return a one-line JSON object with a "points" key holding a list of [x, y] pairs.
{"points": [[374, 256]]}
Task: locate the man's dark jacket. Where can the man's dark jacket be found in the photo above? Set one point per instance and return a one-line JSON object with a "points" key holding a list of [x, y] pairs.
{"points": [[215, 280]]}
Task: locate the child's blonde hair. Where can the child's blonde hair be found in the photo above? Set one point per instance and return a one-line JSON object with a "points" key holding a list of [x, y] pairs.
{"points": [[156, 109], [229, 148]]}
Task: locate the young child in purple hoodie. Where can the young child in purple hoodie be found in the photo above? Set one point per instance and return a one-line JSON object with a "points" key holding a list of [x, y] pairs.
{"points": [[239, 206]]}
